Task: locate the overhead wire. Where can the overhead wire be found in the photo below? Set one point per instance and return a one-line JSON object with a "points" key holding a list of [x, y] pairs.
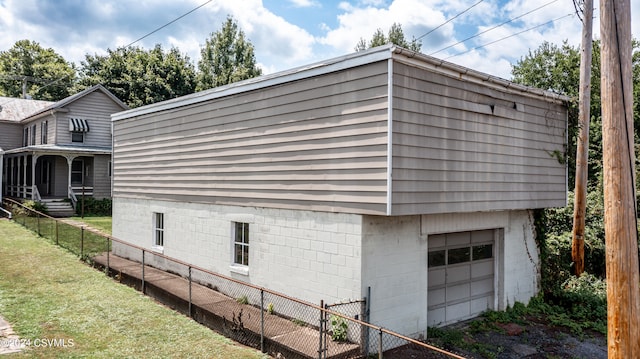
{"points": [[493, 28], [170, 22], [449, 20], [510, 36]]}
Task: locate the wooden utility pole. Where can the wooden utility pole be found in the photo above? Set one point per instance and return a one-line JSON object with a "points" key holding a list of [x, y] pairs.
{"points": [[582, 153], [623, 293]]}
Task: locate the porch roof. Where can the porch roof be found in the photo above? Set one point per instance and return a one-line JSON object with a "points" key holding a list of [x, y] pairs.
{"points": [[60, 150]]}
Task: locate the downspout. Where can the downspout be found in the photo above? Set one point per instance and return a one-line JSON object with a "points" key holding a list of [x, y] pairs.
{"points": [[389, 135]]}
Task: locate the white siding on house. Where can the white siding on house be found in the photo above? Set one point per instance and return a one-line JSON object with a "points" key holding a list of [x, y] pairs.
{"points": [[10, 136], [101, 178], [95, 107], [462, 147], [314, 144]]}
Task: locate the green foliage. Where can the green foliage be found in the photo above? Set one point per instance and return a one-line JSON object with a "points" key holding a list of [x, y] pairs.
{"points": [[140, 77], [270, 308], [48, 75], [395, 36], [339, 329], [227, 57], [36, 206], [94, 207], [242, 299]]}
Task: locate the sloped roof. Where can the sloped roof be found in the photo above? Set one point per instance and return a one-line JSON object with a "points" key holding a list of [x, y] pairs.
{"points": [[15, 109], [65, 101]]}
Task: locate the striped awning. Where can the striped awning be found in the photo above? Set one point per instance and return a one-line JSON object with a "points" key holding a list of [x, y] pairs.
{"points": [[78, 125]]}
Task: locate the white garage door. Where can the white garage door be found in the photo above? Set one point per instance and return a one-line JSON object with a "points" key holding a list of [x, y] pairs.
{"points": [[461, 276]]}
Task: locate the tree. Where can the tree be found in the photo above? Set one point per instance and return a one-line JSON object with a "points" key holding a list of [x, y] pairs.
{"points": [[395, 36], [227, 57], [139, 77], [29, 69]]}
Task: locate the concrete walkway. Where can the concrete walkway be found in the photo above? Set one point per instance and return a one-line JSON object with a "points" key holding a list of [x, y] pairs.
{"points": [[219, 312]]}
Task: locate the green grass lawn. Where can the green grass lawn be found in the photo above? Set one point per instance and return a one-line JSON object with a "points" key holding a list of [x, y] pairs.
{"points": [[101, 223], [47, 293]]}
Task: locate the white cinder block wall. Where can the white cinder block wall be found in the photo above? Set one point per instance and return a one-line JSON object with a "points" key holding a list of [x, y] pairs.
{"points": [[309, 255], [394, 262]]}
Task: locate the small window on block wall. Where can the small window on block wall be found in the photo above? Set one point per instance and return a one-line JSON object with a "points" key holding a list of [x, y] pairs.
{"points": [[158, 231], [241, 244]]}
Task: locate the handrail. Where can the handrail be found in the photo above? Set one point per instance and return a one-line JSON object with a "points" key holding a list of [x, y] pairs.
{"points": [[8, 213], [72, 196], [35, 193]]}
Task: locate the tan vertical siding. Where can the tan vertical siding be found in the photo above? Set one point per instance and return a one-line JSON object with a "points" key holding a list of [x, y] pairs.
{"points": [[317, 143], [462, 147], [96, 108]]}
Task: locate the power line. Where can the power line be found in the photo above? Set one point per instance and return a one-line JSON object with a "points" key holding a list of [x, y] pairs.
{"points": [[493, 28], [448, 21], [170, 22], [510, 36]]}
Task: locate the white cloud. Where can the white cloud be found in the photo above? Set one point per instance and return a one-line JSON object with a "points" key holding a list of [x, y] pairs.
{"points": [[305, 3]]}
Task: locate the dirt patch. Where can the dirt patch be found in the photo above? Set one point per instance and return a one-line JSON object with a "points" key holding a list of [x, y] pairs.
{"points": [[533, 339]]}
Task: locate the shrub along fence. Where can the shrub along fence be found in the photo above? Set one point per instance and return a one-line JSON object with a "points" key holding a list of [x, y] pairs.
{"points": [[270, 321]]}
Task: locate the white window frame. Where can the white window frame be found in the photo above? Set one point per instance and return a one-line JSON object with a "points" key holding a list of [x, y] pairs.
{"points": [[33, 135], [240, 236], [158, 231], [44, 132], [77, 133]]}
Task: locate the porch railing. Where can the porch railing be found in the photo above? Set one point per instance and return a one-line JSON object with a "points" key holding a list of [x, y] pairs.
{"points": [[35, 193], [72, 197]]}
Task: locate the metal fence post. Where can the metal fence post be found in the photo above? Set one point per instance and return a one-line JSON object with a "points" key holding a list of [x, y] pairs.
{"points": [[107, 255], [142, 285], [380, 344], [320, 328], [262, 320], [81, 242], [57, 244], [190, 285]]}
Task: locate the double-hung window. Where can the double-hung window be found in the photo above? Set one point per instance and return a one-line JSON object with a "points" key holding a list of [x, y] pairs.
{"points": [[158, 230], [33, 135], [241, 244], [44, 132], [25, 137]]}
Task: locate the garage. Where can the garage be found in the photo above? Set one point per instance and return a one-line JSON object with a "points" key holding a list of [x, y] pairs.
{"points": [[461, 275]]}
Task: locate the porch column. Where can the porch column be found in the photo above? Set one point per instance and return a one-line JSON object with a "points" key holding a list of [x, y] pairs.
{"points": [[34, 189], [70, 159], [2, 172], [24, 176]]}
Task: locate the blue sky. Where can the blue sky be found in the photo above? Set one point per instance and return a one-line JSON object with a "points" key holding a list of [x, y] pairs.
{"points": [[289, 33]]}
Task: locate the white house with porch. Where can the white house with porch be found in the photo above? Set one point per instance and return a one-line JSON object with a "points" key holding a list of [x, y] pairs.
{"points": [[60, 150]]}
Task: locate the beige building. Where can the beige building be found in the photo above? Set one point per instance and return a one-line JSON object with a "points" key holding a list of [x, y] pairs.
{"points": [[384, 169]]}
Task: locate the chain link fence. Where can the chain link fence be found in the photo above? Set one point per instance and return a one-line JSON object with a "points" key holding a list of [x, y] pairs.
{"points": [[272, 322]]}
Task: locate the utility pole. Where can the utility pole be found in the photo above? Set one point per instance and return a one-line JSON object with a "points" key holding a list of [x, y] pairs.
{"points": [[623, 293], [582, 153]]}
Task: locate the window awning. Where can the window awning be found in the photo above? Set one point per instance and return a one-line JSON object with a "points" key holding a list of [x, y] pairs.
{"points": [[78, 125]]}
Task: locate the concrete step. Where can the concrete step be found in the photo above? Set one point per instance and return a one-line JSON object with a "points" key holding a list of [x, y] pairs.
{"points": [[59, 208]]}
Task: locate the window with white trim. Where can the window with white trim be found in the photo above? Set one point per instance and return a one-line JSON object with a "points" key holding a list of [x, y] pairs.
{"points": [[241, 244], [158, 230], [77, 137], [44, 132], [25, 137], [33, 135]]}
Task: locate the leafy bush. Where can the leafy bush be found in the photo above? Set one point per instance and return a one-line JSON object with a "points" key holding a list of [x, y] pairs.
{"points": [[94, 207], [36, 206], [339, 329]]}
